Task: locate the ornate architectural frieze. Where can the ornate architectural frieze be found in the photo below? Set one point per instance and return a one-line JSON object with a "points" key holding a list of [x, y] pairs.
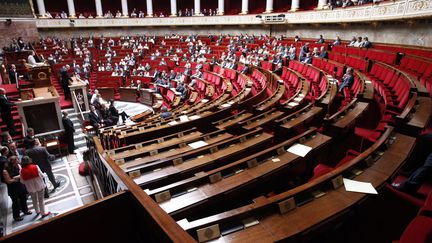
{"points": [[384, 11]]}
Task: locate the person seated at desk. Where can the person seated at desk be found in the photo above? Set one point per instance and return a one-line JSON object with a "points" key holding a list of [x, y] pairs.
{"points": [[132, 84], [198, 74], [347, 80], [97, 102], [138, 85], [108, 118], [115, 113], [323, 53], [172, 75], [278, 70], [95, 118], [307, 59], [30, 59], [162, 62], [165, 113], [245, 69]]}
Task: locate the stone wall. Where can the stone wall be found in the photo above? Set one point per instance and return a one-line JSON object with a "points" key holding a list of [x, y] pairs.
{"points": [[417, 33], [24, 28]]}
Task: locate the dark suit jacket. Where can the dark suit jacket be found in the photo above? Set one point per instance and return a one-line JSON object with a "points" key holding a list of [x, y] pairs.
{"points": [[65, 77], [95, 120], [278, 71], [40, 157], [28, 142], [68, 125], [5, 106], [13, 76]]}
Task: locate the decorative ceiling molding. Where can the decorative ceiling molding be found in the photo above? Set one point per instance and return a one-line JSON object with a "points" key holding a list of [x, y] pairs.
{"points": [[384, 11]]}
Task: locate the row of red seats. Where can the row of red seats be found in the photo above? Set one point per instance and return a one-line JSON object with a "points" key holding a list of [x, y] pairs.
{"points": [[416, 66], [212, 77], [356, 63], [260, 80], [419, 229], [309, 71], [292, 83], [334, 69]]}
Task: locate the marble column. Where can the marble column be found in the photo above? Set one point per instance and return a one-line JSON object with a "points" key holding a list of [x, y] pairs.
{"points": [[269, 6], [221, 7], [173, 7], [71, 8], [41, 8], [245, 7], [295, 5], [149, 8], [99, 12], [124, 5], [197, 6], [321, 4]]}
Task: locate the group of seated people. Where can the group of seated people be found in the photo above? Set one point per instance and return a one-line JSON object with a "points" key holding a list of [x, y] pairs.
{"points": [[104, 113]]}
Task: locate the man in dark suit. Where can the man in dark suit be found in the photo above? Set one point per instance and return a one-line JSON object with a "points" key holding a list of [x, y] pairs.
{"points": [[278, 70], [65, 78], [28, 140], [13, 75], [42, 158], [5, 106], [94, 117], [69, 132]]}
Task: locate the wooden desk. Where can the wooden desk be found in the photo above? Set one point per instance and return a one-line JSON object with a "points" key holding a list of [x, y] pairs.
{"points": [[138, 163], [146, 96], [274, 99], [128, 94], [226, 170], [421, 117], [328, 97], [351, 116], [335, 201], [163, 145], [202, 162], [300, 118], [187, 132], [260, 120], [232, 120], [106, 93]]}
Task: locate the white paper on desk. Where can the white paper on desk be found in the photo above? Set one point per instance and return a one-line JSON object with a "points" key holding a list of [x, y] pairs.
{"points": [[198, 144], [358, 186], [184, 118], [293, 104], [225, 105], [301, 95], [194, 117], [172, 123], [299, 149], [298, 99]]}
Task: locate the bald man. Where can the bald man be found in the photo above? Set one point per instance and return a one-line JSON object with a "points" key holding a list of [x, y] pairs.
{"points": [[65, 79]]}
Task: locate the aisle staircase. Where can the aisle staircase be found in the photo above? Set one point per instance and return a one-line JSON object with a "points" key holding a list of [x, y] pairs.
{"points": [[63, 103], [79, 136]]}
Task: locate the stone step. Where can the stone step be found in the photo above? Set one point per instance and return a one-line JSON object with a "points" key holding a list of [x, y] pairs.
{"points": [[79, 136], [81, 144]]}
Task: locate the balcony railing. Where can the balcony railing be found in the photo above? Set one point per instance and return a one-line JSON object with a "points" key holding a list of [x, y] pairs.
{"points": [[385, 11]]}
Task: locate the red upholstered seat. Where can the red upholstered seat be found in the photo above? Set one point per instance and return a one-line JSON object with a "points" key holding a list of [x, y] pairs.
{"points": [[418, 231], [319, 170], [426, 210]]}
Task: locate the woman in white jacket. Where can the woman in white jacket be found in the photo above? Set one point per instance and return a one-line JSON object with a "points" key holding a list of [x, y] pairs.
{"points": [[32, 178]]}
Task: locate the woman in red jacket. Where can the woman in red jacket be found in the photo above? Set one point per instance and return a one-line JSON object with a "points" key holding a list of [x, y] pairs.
{"points": [[32, 178]]}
